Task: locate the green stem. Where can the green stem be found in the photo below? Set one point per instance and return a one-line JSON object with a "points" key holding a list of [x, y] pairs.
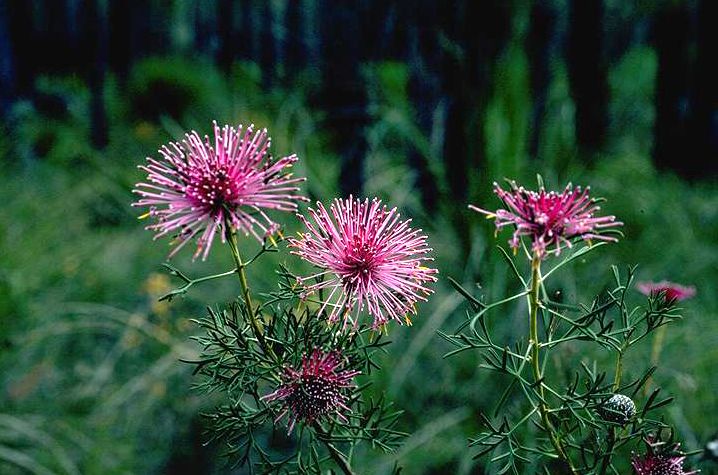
{"points": [[335, 453], [535, 361], [656, 348], [339, 458], [253, 318], [606, 462], [618, 370], [190, 282]]}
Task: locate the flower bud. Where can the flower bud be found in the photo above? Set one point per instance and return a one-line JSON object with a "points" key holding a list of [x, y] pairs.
{"points": [[618, 408]]}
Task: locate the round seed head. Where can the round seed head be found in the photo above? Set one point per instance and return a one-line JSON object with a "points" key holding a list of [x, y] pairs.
{"points": [[618, 408]]}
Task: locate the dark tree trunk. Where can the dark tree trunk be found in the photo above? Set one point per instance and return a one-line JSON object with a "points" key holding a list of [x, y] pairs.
{"points": [[539, 45], [312, 33], [206, 30], [120, 47], [344, 96], [671, 37], [424, 59], [385, 34], [481, 31], [587, 72], [454, 88], [226, 34], [7, 67], [295, 44], [23, 40], [58, 54], [279, 37], [703, 158], [97, 33], [244, 33], [267, 60]]}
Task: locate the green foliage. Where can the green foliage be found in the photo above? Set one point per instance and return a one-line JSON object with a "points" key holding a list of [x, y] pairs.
{"points": [[507, 116], [55, 126], [160, 86], [112, 398], [577, 394], [234, 364]]}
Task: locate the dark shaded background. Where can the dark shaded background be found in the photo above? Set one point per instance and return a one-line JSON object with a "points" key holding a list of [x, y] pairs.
{"points": [[451, 50]]}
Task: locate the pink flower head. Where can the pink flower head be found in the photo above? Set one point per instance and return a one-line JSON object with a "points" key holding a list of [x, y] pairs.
{"points": [[315, 390], [672, 292], [198, 188], [550, 219], [660, 463], [369, 259]]}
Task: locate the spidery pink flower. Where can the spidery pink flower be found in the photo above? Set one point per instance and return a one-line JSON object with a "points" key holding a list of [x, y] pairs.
{"points": [[314, 391], [369, 259], [673, 292], [198, 188], [660, 464], [550, 219]]}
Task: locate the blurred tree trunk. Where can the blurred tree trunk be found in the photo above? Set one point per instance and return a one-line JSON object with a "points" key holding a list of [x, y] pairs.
{"points": [[267, 60], [343, 91], [97, 31], [296, 32], [21, 30], [386, 38], [206, 30], [278, 30], [244, 33], [312, 35], [703, 126], [456, 94], [7, 67], [58, 53], [121, 38], [226, 35], [424, 58], [539, 46], [587, 72], [479, 32], [671, 37]]}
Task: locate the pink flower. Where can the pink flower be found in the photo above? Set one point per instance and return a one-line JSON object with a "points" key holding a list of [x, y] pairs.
{"points": [[199, 188], [369, 259], [550, 219], [660, 464], [314, 391], [671, 290]]}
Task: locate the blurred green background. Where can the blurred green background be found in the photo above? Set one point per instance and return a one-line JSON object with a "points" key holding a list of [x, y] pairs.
{"points": [[422, 103]]}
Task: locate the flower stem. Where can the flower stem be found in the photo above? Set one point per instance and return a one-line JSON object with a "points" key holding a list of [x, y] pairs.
{"points": [[612, 430], [606, 462], [336, 455], [656, 348], [535, 361], [618, 370], [253, 318], [339, 459]]}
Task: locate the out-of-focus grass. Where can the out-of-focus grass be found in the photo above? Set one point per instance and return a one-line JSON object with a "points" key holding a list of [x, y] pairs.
{"points": [[92, 381]]}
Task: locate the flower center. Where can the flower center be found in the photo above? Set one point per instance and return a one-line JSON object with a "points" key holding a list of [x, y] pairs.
{"points": [[211, 189], [359, 262], [547, 215], [315, 396]]}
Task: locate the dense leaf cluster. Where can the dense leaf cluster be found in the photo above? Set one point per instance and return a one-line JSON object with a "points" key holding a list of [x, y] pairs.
{"points": [[236, 364], [575, 393]]}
